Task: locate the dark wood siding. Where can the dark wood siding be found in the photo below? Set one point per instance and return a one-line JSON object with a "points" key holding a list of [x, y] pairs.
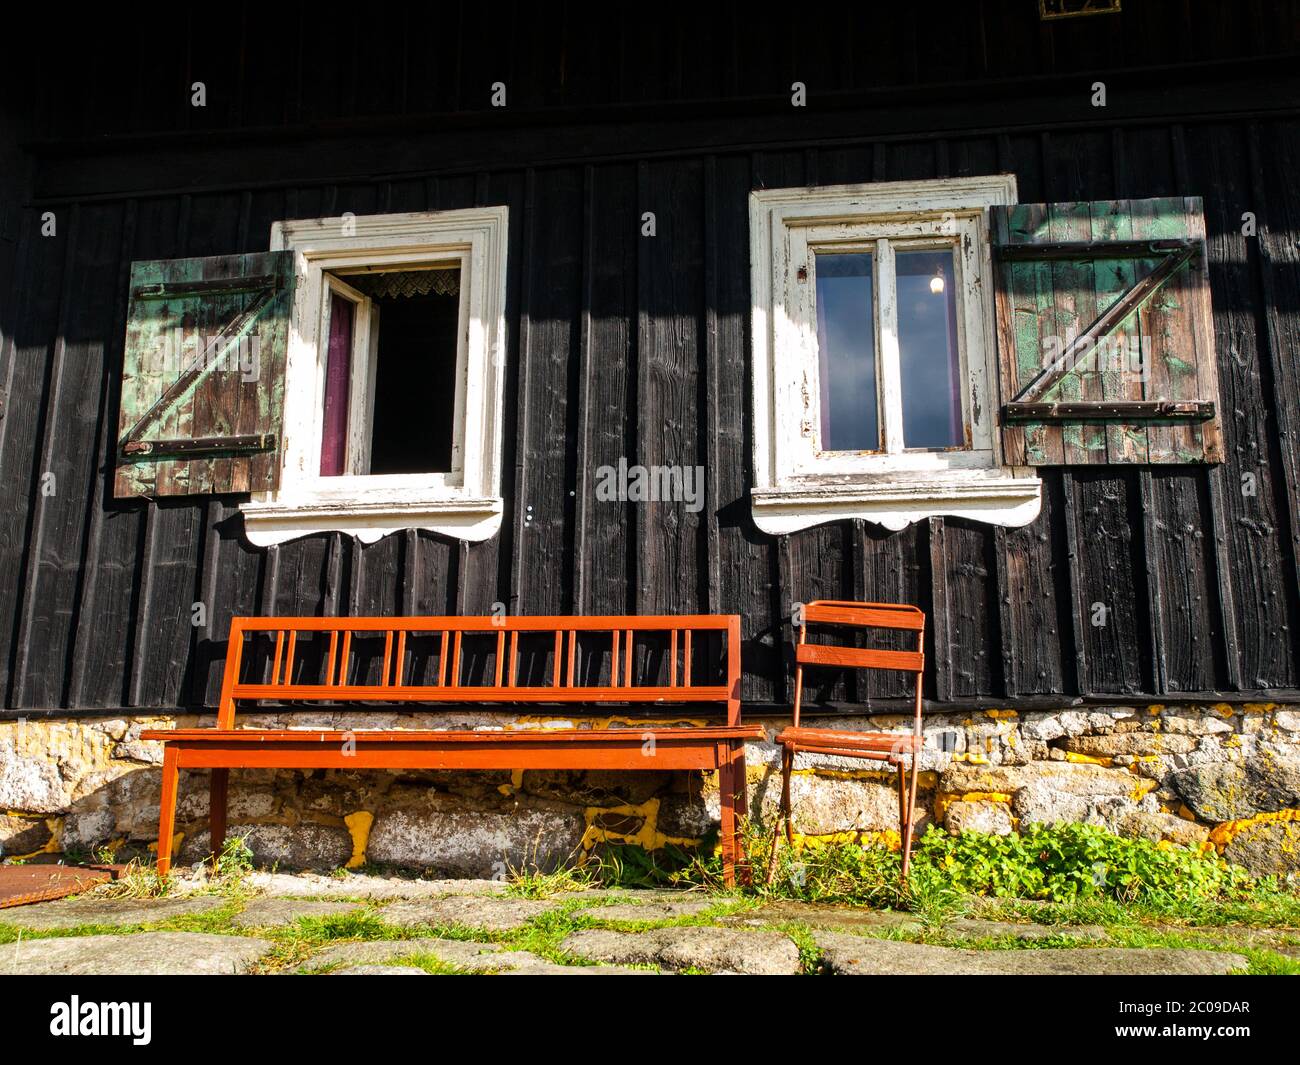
{"points": [[624, 346]]}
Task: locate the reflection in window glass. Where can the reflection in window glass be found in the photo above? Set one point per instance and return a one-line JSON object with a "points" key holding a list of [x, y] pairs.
{"points": [[846, 346], [927, 349]]}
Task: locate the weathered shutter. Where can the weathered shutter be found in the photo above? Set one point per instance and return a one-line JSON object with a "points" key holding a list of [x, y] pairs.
{"points": [[203, 375], [1105, 338]]}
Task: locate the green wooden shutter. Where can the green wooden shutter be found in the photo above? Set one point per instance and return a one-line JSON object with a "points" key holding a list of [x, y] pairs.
{"points": [[1130, 277], [203, 375]]}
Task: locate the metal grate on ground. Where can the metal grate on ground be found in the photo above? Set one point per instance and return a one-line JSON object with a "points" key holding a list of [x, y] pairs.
{"points": [[21, 884]]}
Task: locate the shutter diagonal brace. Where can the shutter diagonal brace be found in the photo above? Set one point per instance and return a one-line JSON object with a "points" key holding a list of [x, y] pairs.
{"points": [[1127, 304], [130, 444]]}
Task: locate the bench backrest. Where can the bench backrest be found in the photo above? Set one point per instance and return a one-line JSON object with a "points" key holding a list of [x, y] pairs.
{"points": [[580, 660]]}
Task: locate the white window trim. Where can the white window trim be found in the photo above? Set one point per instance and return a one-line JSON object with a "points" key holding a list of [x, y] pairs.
{"points": [[465, 503], [796, 485]]}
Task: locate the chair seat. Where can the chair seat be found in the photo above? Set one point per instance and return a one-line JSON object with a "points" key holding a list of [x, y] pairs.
{"points": [[878, 745]]}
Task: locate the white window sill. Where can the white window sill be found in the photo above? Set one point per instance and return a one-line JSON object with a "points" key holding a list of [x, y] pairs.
{"points": [[274, 518], [995, 496]]}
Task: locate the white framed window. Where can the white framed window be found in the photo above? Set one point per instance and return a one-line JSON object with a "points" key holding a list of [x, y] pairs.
{"points": [[393, 385], [874, 356]]}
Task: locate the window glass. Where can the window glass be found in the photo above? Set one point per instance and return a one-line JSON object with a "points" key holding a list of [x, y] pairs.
{"points": [[930, 367], [846, 346]]}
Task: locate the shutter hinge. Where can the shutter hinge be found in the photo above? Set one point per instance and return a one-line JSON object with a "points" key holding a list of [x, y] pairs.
{"points": [[198, 447]]}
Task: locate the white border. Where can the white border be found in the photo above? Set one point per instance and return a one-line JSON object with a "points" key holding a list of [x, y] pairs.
{"points": [[795, 484], [465, 503]]}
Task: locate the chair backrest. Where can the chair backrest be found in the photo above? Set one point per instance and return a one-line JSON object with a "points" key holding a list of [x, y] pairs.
{"points": [[571, 660], [855, 615]]}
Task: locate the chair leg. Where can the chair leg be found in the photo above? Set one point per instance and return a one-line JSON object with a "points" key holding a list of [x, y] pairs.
{"points": [[167, 808], [783, 812], [787, 770], [907, 796], [218, 789]]}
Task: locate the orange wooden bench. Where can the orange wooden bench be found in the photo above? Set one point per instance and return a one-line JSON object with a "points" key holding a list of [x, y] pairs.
{"points": [[354, 663]]}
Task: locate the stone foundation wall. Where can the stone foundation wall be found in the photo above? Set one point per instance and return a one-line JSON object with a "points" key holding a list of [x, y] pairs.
{"points": [[1223, 776]]}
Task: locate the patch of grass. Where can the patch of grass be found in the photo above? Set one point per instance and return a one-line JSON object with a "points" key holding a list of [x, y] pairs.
{"points": [[136, 881], [810, 955], [1096, 876], [536, 884]]}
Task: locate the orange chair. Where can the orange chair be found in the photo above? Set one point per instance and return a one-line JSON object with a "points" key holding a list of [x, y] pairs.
{"points": [[890, 747]]}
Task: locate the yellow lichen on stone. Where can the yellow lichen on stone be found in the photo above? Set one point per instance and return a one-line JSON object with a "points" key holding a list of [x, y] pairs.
{"points": [[1088, 759], [647, 836], [358, 825], [516, 782], [1002, 715], [532, 721], [884, 838], [53, 845], [944, 799], [1223, 834]]}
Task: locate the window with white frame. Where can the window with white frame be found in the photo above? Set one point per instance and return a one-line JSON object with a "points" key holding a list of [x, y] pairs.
{"points": [[393, 377], [874, 357]]}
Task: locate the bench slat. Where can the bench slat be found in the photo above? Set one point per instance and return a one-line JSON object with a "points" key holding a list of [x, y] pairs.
{"points": [[539, 737], [522, 623], [468, 694]]}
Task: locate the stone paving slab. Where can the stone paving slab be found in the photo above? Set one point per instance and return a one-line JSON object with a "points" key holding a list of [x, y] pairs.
{"points": [[464, 954], [492, 914], [663, 910], [142, 954], [356, 885], [382, 970], [275, 913], [71, 913], [692, 947], [978, 928], [821, 915], [846, 955]]}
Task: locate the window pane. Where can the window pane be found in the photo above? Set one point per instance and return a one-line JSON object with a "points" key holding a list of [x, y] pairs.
{"points": [[846, 348], [927, 350]]}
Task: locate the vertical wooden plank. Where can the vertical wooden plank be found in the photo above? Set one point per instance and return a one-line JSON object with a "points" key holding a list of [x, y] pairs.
{"points": [[670, 369], [1214, 159], [31, 686], [97, 584], [1032, 601], [1166, 321], [607, 407], [1073, 307], [1278, 262], [964, 609], [1107, 584], [1113, 220], [1025, 318], [552, 305]]}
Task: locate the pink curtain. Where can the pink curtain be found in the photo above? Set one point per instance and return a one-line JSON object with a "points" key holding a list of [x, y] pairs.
{"points": [[338, 376]]}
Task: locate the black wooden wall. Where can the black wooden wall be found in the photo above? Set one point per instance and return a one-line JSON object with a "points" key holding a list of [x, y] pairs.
{"points": [[623, 346]]}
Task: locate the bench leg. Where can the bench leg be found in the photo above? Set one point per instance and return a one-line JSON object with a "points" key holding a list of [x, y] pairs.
{"points": [[218, 788], [740, 787], [167, 808], [727, 792]]}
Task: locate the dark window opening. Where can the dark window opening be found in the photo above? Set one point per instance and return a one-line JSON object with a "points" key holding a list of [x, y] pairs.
{"points": [[414, 404]]}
